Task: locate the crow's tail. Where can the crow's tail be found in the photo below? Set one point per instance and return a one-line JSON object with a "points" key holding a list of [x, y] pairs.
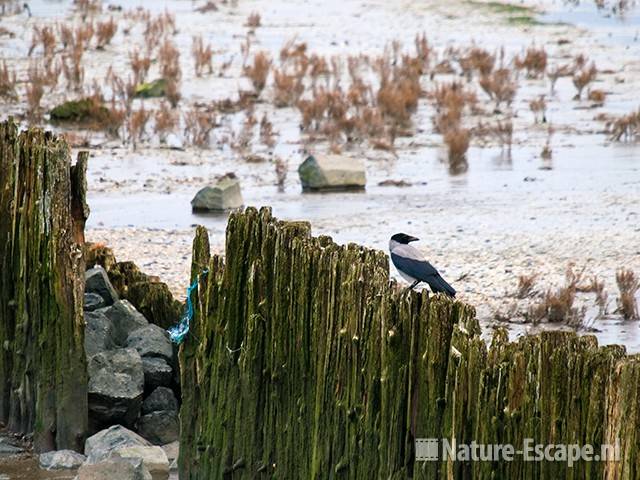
{"points": [[444, 287]]}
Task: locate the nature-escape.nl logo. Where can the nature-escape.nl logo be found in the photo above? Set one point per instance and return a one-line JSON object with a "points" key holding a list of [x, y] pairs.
{"points": [[434, 449]]}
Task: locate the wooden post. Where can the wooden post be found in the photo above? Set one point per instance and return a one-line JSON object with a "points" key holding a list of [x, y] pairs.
{"points": [[43, 380], [305, 361]]}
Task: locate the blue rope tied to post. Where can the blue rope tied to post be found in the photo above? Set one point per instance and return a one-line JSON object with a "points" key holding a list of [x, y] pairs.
{"points": [[178, 332]]}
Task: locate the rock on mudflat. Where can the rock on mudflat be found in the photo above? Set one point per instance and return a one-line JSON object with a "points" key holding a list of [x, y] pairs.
{"points": [[154, 458], [332, 172], [225, 194], [116, 386], [115, 469], [162, 398], [98, 333], [61, 459], [97, 281], [159, 428], [8, 449], [172, 450], [93, 301], [157, 373], [174, 142], [151, 341], [100, 446], [125, 319]]}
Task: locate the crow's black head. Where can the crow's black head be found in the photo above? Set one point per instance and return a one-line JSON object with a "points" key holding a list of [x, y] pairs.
{"points": [[403, 238]]}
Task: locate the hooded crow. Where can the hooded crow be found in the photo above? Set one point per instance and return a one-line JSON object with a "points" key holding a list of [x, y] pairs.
{"points": [[413, 267]]}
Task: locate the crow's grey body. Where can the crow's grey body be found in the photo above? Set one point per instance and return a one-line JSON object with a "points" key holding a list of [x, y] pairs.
{"points": [[414, 268]]}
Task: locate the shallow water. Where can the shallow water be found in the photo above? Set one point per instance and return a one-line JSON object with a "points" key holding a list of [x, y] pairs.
{"points": [[503, 217], [28, 469]]}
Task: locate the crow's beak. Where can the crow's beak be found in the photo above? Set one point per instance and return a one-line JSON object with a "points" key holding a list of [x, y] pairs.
{"points": [[413, 239]]}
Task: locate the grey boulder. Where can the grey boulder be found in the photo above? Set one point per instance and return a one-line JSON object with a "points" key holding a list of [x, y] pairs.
{"points": [[101, 446], [332, 172], [125, 319], [93, 301], [115, 469], [151, 341], [157, 373], [98, 333], [61, 460], [224, 194], [116, 386], [172, 450], [154, 458], [159, 428], [97, 281], [162, 398]]}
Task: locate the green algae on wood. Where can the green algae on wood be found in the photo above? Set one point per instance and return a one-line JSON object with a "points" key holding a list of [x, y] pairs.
{"points": [[43, 380], [305, 361]]}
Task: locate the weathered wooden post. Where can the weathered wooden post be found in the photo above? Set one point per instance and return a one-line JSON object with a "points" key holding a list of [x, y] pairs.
{"points": [[43, 385], [304, 361]]}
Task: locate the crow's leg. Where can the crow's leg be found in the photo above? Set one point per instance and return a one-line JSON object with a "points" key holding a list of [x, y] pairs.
{"points": [[413, 285]]}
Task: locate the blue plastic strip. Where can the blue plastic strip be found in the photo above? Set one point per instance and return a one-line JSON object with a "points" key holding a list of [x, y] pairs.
{"points": [[178, 332]]}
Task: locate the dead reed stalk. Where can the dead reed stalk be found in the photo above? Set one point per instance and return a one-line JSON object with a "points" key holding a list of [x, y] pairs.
{"points": [[258, 71], [105, 31], [198, 127], [628, 285], [534, 62], [166, 121], [583, 77], [202, 56], [8, 80], [499, 86]]}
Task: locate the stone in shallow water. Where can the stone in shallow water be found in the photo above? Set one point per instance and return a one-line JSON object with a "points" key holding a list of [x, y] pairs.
{"points": [[162, 398], [151, 341], [61, 459], [100, 446], [97, 281], [154, 458], [116, 386], [332, 172], [125, 319], [159, 428], [93, 301], [157, 373], [225, 194], [115, 469], [98, 333]]}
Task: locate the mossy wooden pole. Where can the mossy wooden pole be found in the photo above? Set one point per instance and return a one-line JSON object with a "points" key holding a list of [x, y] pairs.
{"points": [[306, 362], [42, 364]]}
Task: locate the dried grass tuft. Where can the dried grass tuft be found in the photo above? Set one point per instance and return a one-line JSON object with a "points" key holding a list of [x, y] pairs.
{"points": [[254, 20], [525, 285], [8, 80], [628, 285], [198, 127], [583, 77], [105, 31], [258, 71], [202, 56], [534, 62], [499, 86]]}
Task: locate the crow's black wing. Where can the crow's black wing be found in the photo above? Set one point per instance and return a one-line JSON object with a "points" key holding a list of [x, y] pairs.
{"points": [[418, 269], [408, 260]]}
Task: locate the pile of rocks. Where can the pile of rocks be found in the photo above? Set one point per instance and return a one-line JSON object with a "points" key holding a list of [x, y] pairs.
{"points": [[116, 453], [132, 367]]}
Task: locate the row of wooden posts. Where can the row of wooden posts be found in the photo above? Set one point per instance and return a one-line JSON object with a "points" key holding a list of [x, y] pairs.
{"points": [[304, 360]]}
